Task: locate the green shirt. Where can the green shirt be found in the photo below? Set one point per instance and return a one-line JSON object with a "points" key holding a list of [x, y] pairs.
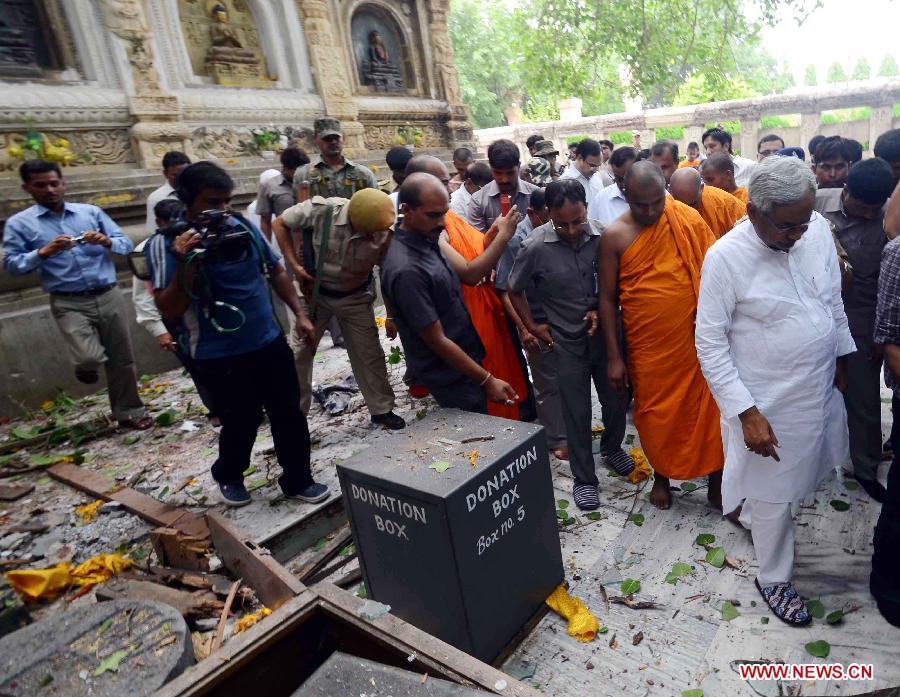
{"points": [[329, 183]]}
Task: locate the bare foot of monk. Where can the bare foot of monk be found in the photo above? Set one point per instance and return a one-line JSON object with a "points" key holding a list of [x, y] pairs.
{"points": [[714, 490], [561, 453], [660, 496]]}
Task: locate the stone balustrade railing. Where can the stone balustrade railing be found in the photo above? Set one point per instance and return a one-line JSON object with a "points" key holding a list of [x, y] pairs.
{"points": [[693, 119]]}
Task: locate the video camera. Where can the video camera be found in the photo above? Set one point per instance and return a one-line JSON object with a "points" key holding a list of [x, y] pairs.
{"points": [[221, 239]]}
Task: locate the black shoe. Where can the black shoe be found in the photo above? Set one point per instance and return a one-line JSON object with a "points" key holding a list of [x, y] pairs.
{"points": [[390, 421], [234, 494], [874, 489], [313, 493]]}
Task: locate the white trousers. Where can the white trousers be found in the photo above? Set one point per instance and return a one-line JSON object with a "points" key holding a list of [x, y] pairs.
{"points": [[771, 526]]}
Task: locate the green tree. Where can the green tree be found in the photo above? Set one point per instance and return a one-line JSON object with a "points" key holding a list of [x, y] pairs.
{"points": [[836, 73], [809, 77], [888, 67], [862, 70]]}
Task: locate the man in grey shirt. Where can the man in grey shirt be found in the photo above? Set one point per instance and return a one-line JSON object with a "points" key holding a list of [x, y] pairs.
{"points": [[559, 258], [506, 191], [857, 220], [276, 195]]}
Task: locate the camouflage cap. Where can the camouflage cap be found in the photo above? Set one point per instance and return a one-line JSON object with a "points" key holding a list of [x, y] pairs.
{"points": [[327, 127], [545, 147], [539, 170]]}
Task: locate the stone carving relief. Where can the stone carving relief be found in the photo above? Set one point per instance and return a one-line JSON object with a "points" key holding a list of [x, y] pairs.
{"points": [[381, 136], [223, 143], [223, 42], [378, 49], [125, 19], [444, 59], [97, 147]]}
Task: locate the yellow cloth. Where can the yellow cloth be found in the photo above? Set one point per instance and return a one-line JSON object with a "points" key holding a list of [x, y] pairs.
{"points": [[89, 510], [689, 163], [720, 210], [641, 467], [740, 194], [582, 623], [248, 621], [36, 584], [674, 411]]}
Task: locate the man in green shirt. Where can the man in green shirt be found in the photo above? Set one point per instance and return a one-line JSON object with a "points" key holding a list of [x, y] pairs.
{"points": [[333, 175]]}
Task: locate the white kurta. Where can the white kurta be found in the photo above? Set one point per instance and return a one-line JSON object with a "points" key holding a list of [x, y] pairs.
{"points": [[770, 326]]}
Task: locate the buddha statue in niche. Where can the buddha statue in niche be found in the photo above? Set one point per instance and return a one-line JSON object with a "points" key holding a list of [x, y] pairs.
{"points": [[226, 44], [379, 71]]}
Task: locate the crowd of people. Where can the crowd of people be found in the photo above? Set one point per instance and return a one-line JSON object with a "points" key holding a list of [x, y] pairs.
{"points": [[742, 309]]}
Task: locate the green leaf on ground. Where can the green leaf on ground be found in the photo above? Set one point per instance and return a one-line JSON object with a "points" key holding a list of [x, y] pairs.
{"points": [[679, 569], [361, 591], [320, 544], [111, 663], [819, 649], [130, 440], [729, 611], [630, 586], [22, 433], [167, 418], [257, 484], [835, 617], [816, 609], [569, 521], [43, 480], [250, 470], [594, 515], [45, 460], [561, 514], [850, 485], [636, 518], [440, 466], [716, 557], [45, 680], [629, 439], [562, 503], [688, 487], [704, 538], [696, 692], [348, 551], [603, 630], [207, 452], [106, 625], [839, 505], [764, 620]]}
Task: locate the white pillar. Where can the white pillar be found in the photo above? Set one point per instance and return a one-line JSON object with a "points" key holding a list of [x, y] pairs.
{"points": [[569, 109]]}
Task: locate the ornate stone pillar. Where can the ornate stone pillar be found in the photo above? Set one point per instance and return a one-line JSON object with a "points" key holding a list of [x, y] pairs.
{"points": [[332, 76], [459, 129], [157, 128]]}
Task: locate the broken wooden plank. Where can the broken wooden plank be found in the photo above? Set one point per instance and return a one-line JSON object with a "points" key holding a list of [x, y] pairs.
{"points": [[220, 628], [342, 537], [174, 548], [194, 580], [190, 605], [274, 584], [146, 507], [12, 492]]}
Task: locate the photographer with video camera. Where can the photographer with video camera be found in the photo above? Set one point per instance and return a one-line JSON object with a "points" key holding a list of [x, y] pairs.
{"points": [[210, 269], [71, 246]]}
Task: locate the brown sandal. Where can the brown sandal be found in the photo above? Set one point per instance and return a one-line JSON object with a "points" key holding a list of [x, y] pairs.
{"points": [[141, 424]]}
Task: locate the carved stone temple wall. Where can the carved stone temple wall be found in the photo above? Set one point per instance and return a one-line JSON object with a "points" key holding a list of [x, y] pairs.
{"points": [[116, 83]]}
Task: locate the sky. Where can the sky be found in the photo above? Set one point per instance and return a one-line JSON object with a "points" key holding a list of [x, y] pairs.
{"points": [[841, 30]]}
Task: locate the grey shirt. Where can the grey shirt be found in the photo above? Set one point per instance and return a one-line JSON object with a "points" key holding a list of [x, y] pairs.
{"points": [[565, 279], [863, 240], [484, 207], [504, 267], [274, 197]]}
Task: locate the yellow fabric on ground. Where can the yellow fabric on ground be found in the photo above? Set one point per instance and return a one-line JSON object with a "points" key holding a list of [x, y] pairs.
{"points": [[38, 584], [582, 623], [248, 621]]}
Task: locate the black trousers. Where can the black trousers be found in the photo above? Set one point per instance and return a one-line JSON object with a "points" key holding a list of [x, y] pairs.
{"points": [[190, 365], [241, 388], [462, 394], [885, 579]]}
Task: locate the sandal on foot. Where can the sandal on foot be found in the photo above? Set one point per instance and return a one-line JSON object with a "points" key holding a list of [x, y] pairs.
{"points": [[586, 497], [141, 424], [785, 603]]}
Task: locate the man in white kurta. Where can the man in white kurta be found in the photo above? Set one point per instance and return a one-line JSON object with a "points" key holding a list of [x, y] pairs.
{"points": [[771, 331]]}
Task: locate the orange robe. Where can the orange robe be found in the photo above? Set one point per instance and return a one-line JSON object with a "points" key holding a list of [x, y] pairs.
{"points": [[689, 163], [659, 280], [740, 194], [720, 210], [488, 317]]}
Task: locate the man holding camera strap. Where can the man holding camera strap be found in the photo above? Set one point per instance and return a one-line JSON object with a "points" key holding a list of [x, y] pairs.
{"points": [[71, 246], [213, 276], [340, 241]]}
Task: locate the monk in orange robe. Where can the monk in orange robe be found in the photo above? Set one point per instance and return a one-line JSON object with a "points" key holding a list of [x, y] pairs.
{"points": [[718, 170], [740, 193], [486, 310], [718, 208], [649, 263]]}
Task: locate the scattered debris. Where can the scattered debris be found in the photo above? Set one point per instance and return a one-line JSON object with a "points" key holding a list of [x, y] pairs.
{"points": [[582, 623], [372, 610], [35, 584], [13, 492], [637, 638], [248, 621]]}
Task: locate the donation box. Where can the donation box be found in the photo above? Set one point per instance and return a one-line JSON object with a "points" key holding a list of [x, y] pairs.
{"points": [[466, 552]]}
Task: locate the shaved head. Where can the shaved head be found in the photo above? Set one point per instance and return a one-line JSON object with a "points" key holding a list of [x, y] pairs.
{"points": [[424, 202], [644, 175], [429, 165], [718, 170], [645, 192], [686, 186]]}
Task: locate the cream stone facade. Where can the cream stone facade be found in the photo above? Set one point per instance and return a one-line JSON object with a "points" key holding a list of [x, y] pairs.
{"points": [[123, 81]]}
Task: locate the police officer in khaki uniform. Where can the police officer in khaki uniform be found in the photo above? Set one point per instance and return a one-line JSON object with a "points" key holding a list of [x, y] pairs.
{"points": [[357, 238], [333, 174]]}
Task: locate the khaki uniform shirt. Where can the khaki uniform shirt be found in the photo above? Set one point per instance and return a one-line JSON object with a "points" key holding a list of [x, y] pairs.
{"points": [[343, 183], [349, 256]]}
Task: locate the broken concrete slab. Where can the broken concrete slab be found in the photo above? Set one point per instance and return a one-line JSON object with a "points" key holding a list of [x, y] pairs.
{"points": [[105, 650], [343, 674]]}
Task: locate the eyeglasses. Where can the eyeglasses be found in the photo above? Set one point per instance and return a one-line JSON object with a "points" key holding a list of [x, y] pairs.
{"points": [[575, 225], [788, 229]]}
